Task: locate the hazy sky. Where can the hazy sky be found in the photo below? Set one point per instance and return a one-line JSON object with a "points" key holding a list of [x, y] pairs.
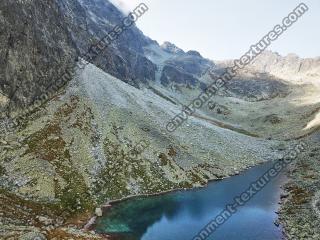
{"points": [[225, 29]]}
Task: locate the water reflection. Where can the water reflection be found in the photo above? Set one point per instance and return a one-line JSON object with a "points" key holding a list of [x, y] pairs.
{"points": [[180, 215]]}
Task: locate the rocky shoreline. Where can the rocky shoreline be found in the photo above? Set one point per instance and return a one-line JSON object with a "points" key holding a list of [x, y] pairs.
{"points": [[102, 210], [47, 224], [299, 213]]}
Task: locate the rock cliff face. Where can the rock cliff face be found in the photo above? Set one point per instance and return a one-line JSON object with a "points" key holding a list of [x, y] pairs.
{"points": [[47, 38], [290, 67], [35, 48], [178, 69], [271, 75]]}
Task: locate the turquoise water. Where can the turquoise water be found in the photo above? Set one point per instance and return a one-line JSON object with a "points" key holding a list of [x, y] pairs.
{"points": [[180, 215]]}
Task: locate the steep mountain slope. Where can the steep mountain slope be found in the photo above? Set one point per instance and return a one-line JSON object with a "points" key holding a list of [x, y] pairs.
{"points": [[35, 48], [47, 38]]}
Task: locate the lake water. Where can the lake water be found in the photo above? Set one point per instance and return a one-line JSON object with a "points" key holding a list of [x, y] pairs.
{"points": [[180, 215]]}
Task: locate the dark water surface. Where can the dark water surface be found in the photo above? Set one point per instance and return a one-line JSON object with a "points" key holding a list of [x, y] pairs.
{"points": [[180, 215]]}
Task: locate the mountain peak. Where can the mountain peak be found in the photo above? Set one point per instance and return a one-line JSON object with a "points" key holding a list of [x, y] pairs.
{"points": [[292, 55], [194, 53], [171, 48]]}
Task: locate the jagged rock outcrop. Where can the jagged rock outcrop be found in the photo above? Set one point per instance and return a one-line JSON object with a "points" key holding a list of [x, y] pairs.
{"points": [[191, 62], [35, 48], [257, 89], [290, 67], [171, 48], [47, 38], [176, 67], [171, 75]]}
